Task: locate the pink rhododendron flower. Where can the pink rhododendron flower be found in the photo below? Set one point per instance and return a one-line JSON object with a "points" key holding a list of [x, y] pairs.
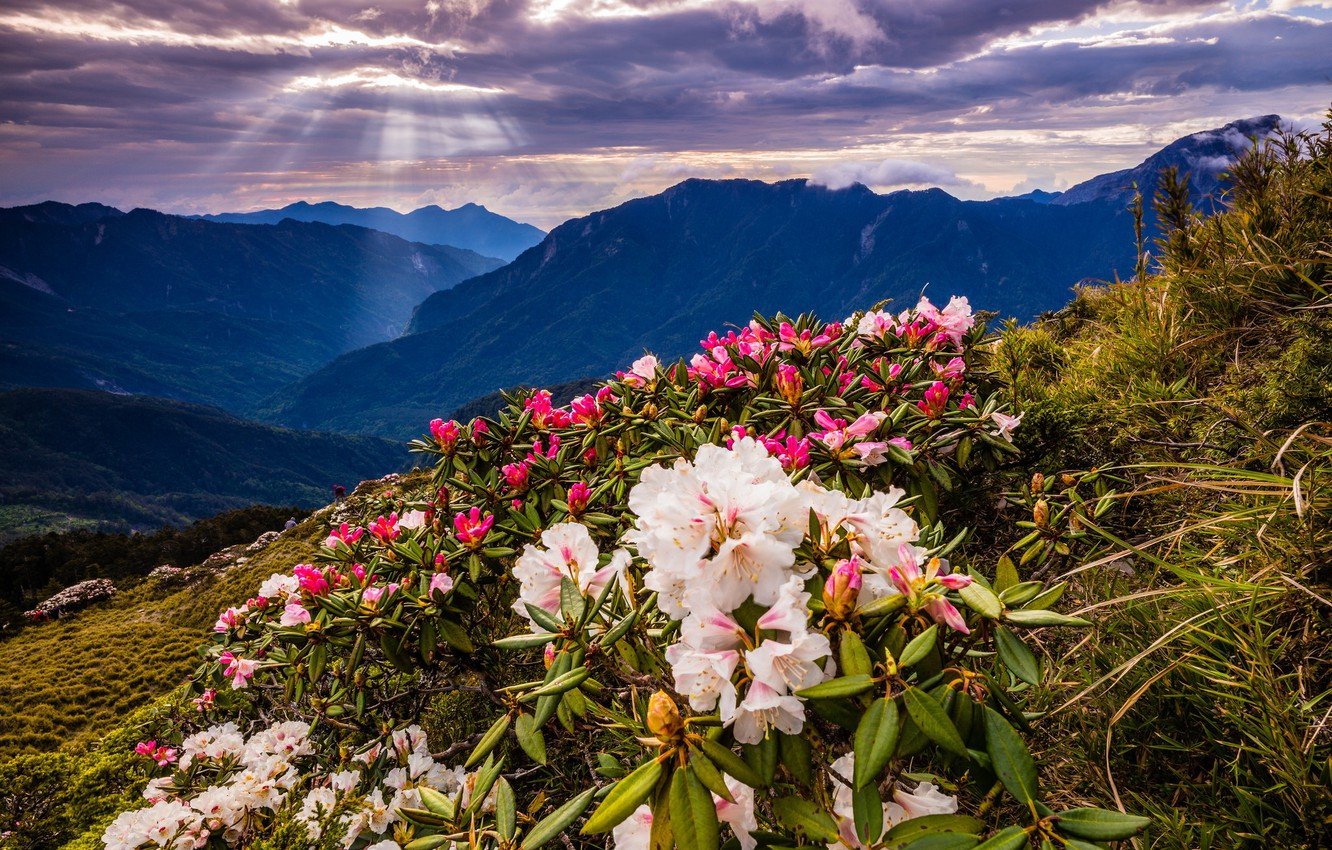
{"points": [[385, 530], [1007, 424], [205, 701], [585, 410], [952, 371], [232, 618], [472, 528], [238, 670], [441, 583], [446, 434], [343, 536], [915, 584], [644, 369], [312, 579], [935, 401], [163, 754], [802, 341], [842, 588], [516, 475], [953, 321], [294, 614], [579, 494]]}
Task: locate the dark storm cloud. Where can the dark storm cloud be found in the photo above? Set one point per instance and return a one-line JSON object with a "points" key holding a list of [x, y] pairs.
{"points": [[243, 88]]}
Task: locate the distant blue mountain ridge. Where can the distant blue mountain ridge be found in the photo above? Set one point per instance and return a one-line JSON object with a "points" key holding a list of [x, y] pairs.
{"points": [[470, 226]]}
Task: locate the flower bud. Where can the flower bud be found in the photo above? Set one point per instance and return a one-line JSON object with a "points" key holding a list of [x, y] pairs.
{"points": [[1037, 483], [663, 718], [548, 655], [1040, 514], [842, 589]]}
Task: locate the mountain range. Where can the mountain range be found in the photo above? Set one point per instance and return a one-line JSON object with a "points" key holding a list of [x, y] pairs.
{"points": [[225, 314], [344, 328], [470, 226], [83, 457]]}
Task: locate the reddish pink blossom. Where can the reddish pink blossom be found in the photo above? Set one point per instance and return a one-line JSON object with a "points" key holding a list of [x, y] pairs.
{"points": [[479, 430], [446, 434], [803, 341], [385, 530], [472, 528], [516, 475], [162, 754], [935, 402], [343, 536], [313, 580], [205, 701], [842, 588], [579, 494], [229, 620]]}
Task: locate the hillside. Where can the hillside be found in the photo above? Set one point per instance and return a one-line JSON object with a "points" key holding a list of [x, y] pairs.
{"points": [[469, 226], [213, 313], [706, 253], [1204, 156], [657, 273], [131, 461]]}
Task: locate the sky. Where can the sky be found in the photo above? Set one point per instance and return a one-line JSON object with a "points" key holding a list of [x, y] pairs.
{"points": [[548, 109]]}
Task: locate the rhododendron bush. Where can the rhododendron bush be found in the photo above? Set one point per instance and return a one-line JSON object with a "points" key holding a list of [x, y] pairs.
{"points": [[714, 602]]}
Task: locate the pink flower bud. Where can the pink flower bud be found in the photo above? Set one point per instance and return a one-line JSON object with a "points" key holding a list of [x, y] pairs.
{"points": [[842, 588]]}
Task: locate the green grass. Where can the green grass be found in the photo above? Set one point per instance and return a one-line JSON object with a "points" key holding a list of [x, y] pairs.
{"points": [[65, 683], [1203, 695]]}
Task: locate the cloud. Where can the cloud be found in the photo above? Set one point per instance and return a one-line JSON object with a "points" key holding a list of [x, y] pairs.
{"points": [[546, 109], [886, 173]]}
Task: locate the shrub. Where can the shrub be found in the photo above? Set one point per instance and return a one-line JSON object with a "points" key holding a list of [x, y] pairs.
{"points": [[710, 594]]}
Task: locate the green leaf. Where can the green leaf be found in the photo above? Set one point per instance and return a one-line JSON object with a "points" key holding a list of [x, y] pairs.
{"points": [[530, 738], [933, 721], [981, 600], [436, 803], [762, 757], [1005, 575], [796, 756], [919, 647], [560, 684], [558, 821], [853, 655], [506, 809], [1100, 824], [1018, 593], [627, 794], [1017, 656], [944, 841], [867, 812], [875, 740], [706, 771], [1047, 598], [1010, 758], [805, 816], [543, 618], [488, 741], [844, 686], [454, 635], [572, 602], [882, 605], [1025, 617], [1008, 838], [729, 762], [521, 641], [429, 842], [913, 829], [693, 814]]}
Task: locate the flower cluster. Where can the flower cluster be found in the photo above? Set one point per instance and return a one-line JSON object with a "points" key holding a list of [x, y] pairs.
{"points": [[226, 786], [754, 536], [73, 598]]}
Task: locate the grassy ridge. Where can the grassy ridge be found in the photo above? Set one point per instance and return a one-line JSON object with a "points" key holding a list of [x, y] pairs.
{"points": [[1203, 391]]}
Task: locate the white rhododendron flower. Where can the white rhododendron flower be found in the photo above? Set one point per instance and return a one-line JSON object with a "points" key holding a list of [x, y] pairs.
{"points": [[718, 530], [569, 552], [926, 799], [765, 708]]}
